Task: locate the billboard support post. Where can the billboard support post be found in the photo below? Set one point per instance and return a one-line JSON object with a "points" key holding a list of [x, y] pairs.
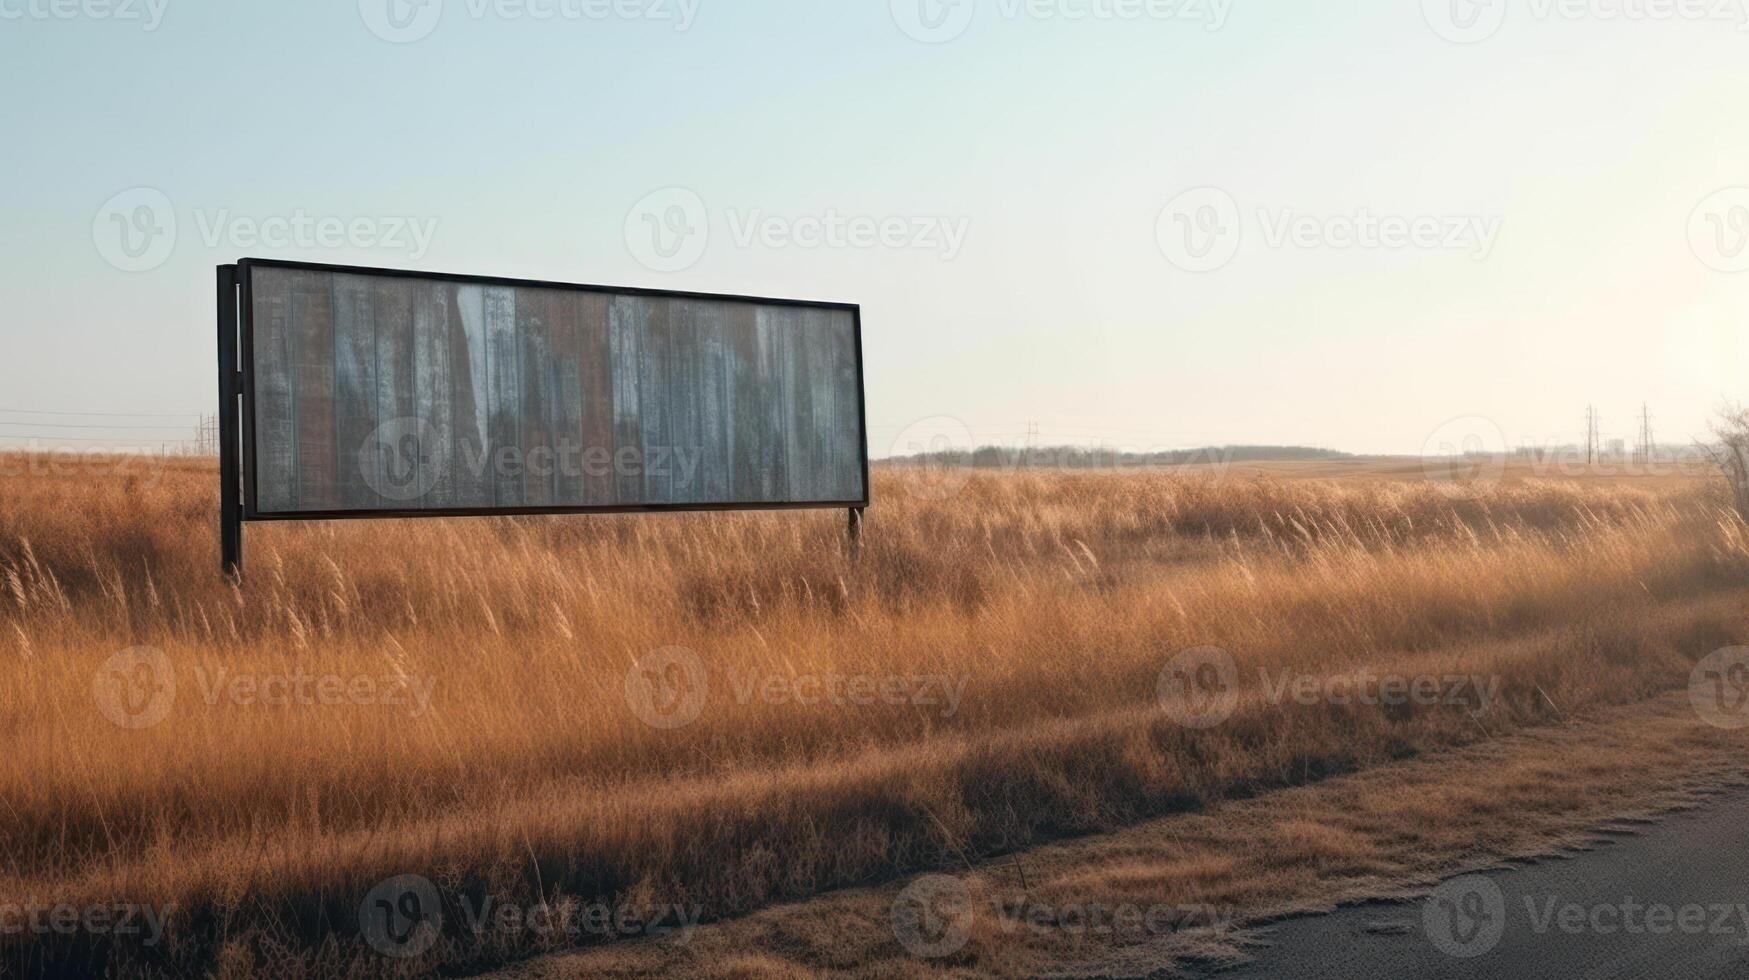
{"points": [[856, 531], [230, 431]]}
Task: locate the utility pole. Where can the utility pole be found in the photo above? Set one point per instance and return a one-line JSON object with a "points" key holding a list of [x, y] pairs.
{"points": [[1591, 435], [206, 438], [1647, 447]]}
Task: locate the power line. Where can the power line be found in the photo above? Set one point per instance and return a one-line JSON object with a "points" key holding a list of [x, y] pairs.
{"points": [[127, 415], [128, 443], [57, 425]]}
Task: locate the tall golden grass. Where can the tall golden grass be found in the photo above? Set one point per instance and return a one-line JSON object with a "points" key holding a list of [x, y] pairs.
{"points": [[1055, 599]]}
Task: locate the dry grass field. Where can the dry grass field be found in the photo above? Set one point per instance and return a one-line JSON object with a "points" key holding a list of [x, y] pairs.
{"points": [[714, 713]]}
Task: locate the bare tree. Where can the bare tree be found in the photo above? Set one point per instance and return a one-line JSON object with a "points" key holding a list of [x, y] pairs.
{"points": [[1731, 452]]}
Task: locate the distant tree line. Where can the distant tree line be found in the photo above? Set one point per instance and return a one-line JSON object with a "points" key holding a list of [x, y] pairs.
{"points": [[1086, 457]]}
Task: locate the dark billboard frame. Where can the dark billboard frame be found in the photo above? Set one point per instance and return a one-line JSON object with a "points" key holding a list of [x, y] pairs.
{"points": [[237, 450]]}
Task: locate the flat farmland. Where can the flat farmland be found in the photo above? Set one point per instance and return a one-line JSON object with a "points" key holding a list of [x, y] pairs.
{"points": [[700, 716]]}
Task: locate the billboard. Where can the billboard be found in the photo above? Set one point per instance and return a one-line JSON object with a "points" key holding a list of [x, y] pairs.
{"points": [[380, 393]]}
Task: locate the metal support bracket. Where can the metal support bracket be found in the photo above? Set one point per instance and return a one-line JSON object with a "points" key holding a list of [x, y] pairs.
{"points": [[230, 429]]}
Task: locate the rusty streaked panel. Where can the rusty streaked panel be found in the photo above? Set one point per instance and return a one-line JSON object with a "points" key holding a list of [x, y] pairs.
{"points": [[565, 409], [393, 393], [275, 410], [355, 392], [472, 403], [503, 396], [596, 385], [537, 313], [433, 385], [399, 459], [312, 308]]}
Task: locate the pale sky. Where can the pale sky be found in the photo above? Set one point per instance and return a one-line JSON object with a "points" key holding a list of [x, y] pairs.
{"points": [[1002, 186]]}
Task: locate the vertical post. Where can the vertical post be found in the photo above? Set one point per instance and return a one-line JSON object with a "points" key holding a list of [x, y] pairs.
{"points": [[855, 531], [230, 430]]}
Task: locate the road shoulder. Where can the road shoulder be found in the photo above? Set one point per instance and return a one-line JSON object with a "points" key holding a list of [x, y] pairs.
{"points": [[1188, 892]]}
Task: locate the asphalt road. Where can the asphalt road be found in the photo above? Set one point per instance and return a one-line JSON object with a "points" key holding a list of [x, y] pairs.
{"points": [[1671, 903]]}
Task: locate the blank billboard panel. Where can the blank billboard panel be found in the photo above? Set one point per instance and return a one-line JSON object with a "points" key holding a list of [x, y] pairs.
{"points": [[372, 392]]}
